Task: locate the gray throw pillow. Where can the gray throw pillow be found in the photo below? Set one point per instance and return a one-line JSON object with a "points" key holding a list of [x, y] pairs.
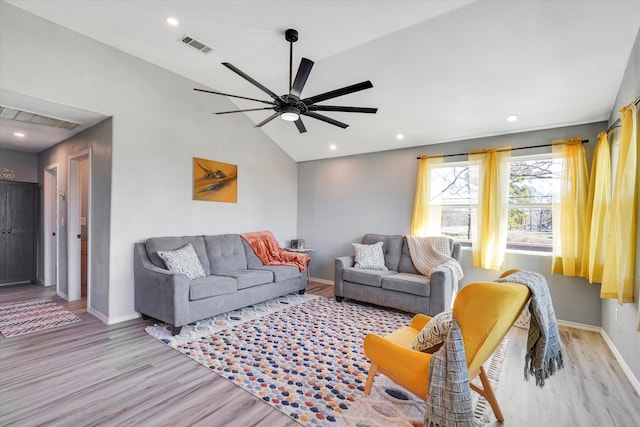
{"points": [[183, 260], [369, 257]]}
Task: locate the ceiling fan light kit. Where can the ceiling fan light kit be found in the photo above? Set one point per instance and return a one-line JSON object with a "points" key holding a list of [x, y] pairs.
{"points": [[290, 107]]}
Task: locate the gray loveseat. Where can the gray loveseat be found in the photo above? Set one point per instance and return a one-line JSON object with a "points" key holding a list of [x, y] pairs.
{"points": [[235, 278], [402, 286]]}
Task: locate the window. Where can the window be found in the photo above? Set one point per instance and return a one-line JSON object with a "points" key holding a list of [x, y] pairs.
{"points": [[533, 179], [531, 190]]}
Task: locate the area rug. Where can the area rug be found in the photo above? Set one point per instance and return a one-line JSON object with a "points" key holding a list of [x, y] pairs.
{"points": [[303, 355], [22, 317]]}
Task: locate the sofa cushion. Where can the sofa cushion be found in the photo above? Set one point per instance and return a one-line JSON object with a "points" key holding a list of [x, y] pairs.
{"points": [[392, 248], [183, 260], [369, 256], [250, 278], [210, 286], [156, 244], [366, 277], [434, 333], [280, 272], [406, 264], [408, 283], [225, 253]]}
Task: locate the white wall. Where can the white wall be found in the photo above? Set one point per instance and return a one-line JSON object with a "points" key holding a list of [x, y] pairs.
{"points": [[159, 125]]}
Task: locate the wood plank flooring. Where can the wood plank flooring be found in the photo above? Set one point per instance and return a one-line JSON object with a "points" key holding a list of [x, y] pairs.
{"points": [[90, 374]]}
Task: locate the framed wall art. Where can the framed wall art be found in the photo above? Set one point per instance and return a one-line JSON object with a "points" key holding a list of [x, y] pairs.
{"points": [[215, 181]]}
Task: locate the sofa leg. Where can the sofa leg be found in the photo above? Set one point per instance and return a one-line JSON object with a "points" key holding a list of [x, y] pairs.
{"points": [[302, 291], [175, 330], [339, 299]]}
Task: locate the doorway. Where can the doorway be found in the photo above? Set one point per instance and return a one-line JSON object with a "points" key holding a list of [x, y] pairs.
{"points": [[79, 226], [51, 230]]}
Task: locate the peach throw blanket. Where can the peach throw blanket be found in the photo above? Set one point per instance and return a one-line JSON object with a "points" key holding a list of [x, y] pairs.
{"points": [[265, 245]]}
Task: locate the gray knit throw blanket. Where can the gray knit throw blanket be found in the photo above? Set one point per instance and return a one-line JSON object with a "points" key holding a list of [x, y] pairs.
{"points": [[544, 349], [448, 401]]}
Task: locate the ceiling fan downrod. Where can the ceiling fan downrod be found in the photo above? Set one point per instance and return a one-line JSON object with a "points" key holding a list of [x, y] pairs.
{"points": [[291, 36]]}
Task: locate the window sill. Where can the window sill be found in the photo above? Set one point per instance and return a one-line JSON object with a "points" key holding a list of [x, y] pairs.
{"points": [[515, 251]]}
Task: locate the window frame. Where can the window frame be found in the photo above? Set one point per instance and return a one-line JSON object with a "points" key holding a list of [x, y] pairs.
{"points": [[542, 249]]}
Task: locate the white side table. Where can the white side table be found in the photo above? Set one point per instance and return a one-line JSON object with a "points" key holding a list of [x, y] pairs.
{"points": [[303, 251]]}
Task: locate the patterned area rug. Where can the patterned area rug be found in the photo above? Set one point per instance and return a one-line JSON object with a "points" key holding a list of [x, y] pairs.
{"points": [[22, 317], [303, 355]]}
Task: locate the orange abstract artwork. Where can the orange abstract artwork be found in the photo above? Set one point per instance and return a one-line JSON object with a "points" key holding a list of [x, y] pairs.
{"points": [[215, 181]]}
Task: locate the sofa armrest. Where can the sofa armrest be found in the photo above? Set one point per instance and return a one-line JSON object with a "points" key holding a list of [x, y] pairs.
{"points": [[340, 264], [159, 293], [441, 290]]}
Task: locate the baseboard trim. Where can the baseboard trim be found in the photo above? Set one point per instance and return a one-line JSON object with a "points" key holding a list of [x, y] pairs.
{"points": [[101, 317], [323, 281], [625, 368], [119, 319], [582, 326], [63, 295]]}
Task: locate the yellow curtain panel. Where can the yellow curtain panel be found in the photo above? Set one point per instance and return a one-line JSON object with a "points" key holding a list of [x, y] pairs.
{"points": [[426, 216], [619, 267], [569, 209], [594, 249], [489, 230]]}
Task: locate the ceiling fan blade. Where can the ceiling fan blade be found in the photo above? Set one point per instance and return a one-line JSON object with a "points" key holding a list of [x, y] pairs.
{"points": [[267, 120], [326, 119], [338, 92], [300, 126], [233, 96], [251, 80], [301, 78], [242, 111], [343, 109]]}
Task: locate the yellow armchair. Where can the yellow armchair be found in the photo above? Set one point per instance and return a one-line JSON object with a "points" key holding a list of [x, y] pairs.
{"points": [[485, 312]]}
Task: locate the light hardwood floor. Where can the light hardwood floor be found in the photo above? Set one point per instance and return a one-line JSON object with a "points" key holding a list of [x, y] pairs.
{"points": [[87, 374]]}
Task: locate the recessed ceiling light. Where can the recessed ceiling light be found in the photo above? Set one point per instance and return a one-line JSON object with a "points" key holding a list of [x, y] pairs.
{"points": [[399, 136], [333, 147], [512, 118], [171, 21], [19, 134]]}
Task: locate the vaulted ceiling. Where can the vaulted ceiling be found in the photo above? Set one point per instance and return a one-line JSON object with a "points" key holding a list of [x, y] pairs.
{"points": [[441, 70]]}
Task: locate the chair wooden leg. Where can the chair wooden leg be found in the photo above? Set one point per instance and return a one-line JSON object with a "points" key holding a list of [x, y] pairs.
{"points": [[488, 394], [372, 373]]}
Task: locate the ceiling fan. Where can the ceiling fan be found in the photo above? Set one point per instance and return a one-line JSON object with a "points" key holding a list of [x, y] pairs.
{"points": [[290, 107]]}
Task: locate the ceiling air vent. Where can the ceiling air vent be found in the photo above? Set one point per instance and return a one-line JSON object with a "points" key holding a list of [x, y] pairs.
{"points": [[195, 44], [36, 119]]}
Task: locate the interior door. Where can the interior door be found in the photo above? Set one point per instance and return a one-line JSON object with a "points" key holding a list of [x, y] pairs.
{"points": [[50, 235], [74, 229], [4, 220], [19, 233]]}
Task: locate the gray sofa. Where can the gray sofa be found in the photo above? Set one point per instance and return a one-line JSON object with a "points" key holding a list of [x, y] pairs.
{"points": [[235, 278], [402, 286]]}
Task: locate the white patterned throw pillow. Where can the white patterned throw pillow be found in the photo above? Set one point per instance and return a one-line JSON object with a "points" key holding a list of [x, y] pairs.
{"points": [[369, 257], [434, 333], [183, 260]]}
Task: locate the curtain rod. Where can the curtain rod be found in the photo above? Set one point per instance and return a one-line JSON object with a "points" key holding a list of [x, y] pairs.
{"points": [[617, 122], [584, 141]]}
